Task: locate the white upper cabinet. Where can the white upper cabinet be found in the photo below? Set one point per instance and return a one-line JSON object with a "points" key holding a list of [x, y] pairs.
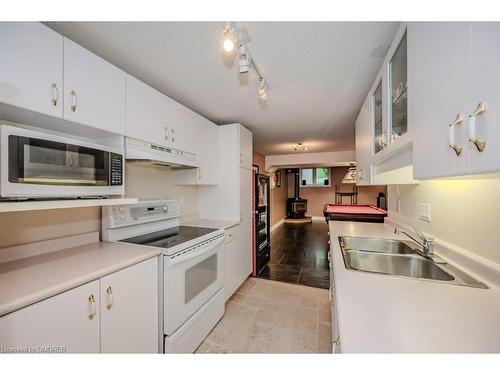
{"points": [[207, 152], [31, 67], [485, 80], [438, 80], [69, 320], [364, 143], [129, 309], [181, 124], [146, 113], [94, 90], [246, 148]]}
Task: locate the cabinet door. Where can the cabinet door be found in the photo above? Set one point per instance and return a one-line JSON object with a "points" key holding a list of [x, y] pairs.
{"points": [[364, 143], [232, 273], [207, 152], [61, 322], [94, 90], [246, 148], [246, 222], [129, 309], [182, 126], [146, 113], [438, 90], [31, 67], [485, 76]]}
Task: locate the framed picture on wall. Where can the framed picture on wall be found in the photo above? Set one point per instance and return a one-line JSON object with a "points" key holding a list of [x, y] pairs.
{"points": [[277, 178]]}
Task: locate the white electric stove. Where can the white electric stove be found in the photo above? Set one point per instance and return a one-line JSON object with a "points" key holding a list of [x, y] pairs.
{"points": [[191, 271]]}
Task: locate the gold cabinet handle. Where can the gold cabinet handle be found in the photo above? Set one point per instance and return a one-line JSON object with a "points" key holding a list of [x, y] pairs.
{"points": [[74, 101], [166, 133], [55, 95], [92, 307], [172, 135], [479, 143], [451, 136], [109, 293]]}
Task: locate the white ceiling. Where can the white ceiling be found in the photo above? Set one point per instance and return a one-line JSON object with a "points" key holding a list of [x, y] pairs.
{"points": [[318, 73]]}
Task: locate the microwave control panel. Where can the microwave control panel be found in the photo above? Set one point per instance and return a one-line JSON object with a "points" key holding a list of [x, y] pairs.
{"points": [[116, 178]]}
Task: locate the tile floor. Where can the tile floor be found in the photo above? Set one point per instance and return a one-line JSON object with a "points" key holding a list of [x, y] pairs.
{"points": [[266, 316], [299, 254]]}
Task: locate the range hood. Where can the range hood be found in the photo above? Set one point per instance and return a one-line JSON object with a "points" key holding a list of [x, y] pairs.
{"points": [[148, 153]]}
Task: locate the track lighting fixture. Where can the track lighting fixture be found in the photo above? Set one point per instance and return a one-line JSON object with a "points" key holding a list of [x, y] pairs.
{"points": [[232, 37]]}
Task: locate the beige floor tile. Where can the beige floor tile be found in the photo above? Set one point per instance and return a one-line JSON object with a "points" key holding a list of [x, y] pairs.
{"points": [[325, 315], [324, 338], [272, 317], [247, 286], [237, 297], [266, 316]]}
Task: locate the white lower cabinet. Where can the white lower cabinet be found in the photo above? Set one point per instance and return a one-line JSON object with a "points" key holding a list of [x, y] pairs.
{"points": [[232, 267], [129, 309], [117, 313], [68, 321]]}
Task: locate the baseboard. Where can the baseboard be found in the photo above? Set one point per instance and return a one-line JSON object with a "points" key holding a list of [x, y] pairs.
{"points": [[318, 218], [275, 226]]}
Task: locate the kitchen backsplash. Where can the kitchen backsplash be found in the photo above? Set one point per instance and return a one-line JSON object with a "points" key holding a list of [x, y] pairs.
{"points": [[464, 212], [144, 182]]}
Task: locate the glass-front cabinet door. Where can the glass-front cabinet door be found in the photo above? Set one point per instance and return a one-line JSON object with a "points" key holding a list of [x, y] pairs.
{"points": [[398, 120], [378, 130]]}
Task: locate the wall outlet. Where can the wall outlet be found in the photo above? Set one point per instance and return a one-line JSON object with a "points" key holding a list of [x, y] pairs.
{"points": [[424, 211]]}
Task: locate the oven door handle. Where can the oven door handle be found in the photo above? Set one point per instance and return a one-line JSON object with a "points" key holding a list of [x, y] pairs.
{"points": [[194, 254]]}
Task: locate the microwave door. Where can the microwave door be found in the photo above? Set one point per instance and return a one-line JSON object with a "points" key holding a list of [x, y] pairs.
{"points": [[51, 163]]}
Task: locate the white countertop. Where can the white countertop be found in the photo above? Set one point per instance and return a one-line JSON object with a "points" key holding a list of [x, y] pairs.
{"points": [[386, 314], [32, 279], [209, 223]]}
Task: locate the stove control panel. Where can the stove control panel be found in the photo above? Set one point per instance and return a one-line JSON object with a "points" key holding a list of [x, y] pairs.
{"points": [[141, 212]]}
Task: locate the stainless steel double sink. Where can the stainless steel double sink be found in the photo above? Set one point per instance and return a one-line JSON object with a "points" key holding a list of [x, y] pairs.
{"points": [[399, 258]]}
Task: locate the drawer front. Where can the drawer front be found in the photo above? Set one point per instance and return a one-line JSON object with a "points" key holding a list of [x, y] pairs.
{"points": [[231, 234]]}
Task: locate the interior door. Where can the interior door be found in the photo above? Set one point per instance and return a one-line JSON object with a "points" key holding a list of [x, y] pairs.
{"points": [[485, 76], [129, 309], [438, 88], [31, 67], [94, 90], [67, 322]]}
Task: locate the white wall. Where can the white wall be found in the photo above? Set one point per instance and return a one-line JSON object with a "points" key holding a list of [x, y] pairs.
{"points": [[465, 213]]}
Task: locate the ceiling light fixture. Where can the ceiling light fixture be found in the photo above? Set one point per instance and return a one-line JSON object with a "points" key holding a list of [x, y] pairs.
{"points": [[300, 147], [232, 36], [228, 38]]}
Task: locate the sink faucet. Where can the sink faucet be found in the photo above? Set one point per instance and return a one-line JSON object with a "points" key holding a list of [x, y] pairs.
{"points": [[426, 242]]}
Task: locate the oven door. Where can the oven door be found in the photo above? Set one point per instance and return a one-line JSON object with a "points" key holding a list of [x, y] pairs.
{"points": [[191, 279], [38, 165]]}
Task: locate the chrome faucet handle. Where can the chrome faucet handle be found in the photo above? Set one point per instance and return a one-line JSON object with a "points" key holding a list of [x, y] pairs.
{"points": [[419, 232]]}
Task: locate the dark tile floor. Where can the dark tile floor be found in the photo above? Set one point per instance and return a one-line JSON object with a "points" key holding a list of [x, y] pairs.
{"points": [[299, 254]]}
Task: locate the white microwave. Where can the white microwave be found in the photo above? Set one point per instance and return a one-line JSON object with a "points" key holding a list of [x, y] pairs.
{"points": [[35, 164]]}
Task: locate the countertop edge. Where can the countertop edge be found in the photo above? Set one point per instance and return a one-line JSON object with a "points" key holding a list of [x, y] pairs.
{"points": [[28, 300]]}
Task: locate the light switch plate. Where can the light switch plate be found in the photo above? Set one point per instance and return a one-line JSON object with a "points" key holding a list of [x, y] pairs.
{"points": [[425, 212]]}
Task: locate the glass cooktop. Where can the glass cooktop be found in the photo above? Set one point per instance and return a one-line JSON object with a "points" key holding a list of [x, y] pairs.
{"points": [[169, 237]]}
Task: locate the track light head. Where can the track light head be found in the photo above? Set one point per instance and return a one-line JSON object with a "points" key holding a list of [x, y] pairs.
{"points": [[244, 60], [262, 92], [228, 38]]}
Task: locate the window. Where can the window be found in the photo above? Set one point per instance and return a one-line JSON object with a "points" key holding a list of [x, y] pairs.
{"points": [[315, 177]]}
